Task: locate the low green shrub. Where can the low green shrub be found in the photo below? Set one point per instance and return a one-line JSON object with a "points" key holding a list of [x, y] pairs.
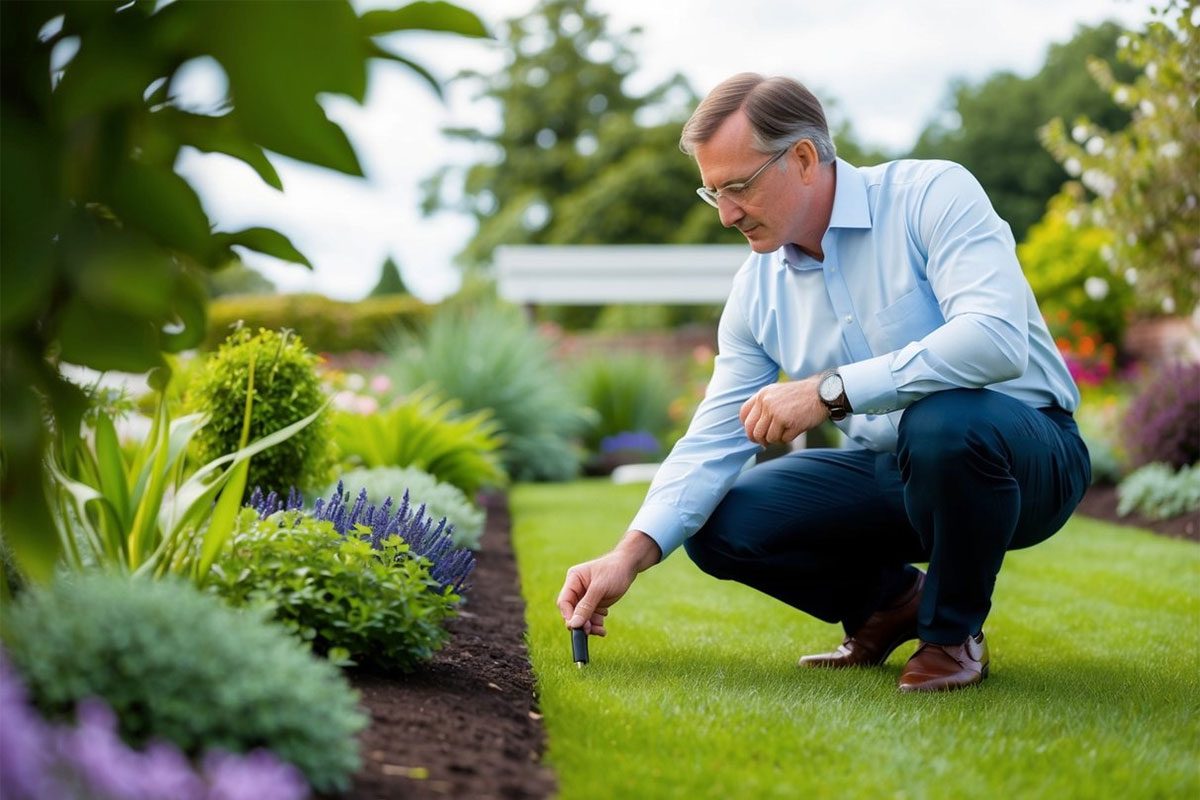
{"points": [[493, 358], [286, 389], [177, 665], [440, 499], [355, 598], [1157, 491], [424, 432], [326, 325]]}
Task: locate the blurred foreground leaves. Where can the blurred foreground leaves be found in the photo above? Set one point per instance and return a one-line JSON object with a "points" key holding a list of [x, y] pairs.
{"points": [[103, 247]]}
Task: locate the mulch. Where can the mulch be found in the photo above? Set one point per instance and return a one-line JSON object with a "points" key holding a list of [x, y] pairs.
{"points": [[467, 725]]}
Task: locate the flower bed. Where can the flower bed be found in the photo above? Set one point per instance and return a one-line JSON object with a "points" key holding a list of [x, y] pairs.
{"points": [[467, 723]]}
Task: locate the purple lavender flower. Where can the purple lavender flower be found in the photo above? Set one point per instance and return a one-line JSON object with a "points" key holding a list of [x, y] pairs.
{"points": [[255, 776], [629, 441], [271, 503], [24, 755], [89, 760], [450, 566]]}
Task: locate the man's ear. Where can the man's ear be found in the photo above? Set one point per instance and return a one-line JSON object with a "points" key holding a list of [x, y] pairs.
{"points": [[809, 160]]}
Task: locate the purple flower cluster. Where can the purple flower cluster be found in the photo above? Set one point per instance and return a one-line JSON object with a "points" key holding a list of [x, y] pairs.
{"points": [[450, 565], [41, 761], [1162, 423], [629, 442]]}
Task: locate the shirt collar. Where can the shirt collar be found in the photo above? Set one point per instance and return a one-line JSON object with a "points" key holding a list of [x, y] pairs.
{"points": [[850, 210]]}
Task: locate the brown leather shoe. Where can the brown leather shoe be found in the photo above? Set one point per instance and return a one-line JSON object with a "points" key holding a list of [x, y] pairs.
{"points": [[884, 631], [942, 667]]}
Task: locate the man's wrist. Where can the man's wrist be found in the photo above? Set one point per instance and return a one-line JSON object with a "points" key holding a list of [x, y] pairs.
{"points": [[642, 551]]}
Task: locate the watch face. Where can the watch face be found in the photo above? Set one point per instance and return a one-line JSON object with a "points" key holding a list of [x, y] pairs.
{"points": [[830, 388]]}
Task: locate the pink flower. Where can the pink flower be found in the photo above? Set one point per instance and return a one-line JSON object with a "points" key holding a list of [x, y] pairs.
{"points": [[381, 384]]}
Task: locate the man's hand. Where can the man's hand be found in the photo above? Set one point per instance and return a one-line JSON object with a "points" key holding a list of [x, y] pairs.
{"points": [[593, 586], [783, 411]]}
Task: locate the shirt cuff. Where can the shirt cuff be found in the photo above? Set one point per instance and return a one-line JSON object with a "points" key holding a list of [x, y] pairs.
{"points": [[869, 386], [662, 524]]}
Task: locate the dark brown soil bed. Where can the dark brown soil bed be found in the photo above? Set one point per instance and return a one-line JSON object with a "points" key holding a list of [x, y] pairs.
{"points": [[465, 726], [1101, 502]]}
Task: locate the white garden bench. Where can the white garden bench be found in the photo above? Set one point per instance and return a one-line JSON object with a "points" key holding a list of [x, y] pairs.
{"points": [[613, 274]]}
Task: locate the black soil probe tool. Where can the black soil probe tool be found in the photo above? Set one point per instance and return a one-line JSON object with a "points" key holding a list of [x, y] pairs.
{"points": [[579, 646]]}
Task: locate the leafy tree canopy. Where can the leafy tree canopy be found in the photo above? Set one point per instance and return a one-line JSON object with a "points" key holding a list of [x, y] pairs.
{"points": [[578, 159], [995, 124]]}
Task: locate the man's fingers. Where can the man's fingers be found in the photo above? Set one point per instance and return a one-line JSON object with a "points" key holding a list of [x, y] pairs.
{"points": [[572, 589], [584, 610]]}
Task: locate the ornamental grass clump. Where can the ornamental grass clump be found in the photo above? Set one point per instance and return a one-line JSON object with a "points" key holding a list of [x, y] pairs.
{"points": [[361, 584], [178, 666], [492, 358], [88, 759], [1162, 423], [286, 389]]}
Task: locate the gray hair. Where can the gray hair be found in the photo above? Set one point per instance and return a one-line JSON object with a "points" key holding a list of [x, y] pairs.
{"points": [[781, 112]]}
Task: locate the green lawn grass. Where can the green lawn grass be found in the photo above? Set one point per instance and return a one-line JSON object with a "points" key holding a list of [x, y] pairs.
{"points": [[1094, 687]]}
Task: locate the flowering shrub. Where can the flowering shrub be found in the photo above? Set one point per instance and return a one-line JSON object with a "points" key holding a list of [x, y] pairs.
{"points": [[1163, 421], [179, 666], [88, 760], [464, 520], [1144, 177], [363, 585], [1066, 260], [683, 407], [1090, 360], [286, 389]]}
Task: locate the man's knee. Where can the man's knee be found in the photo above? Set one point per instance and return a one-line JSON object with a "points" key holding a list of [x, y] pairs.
{"points": [[942, 429]]}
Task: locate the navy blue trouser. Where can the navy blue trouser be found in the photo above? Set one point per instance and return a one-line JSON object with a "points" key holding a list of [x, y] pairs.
{"points": [[834, 532]]}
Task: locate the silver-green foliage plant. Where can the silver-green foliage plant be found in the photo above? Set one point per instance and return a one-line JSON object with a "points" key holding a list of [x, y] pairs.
{"points": [[286, 389], [427, 433], [440, 499], [492, 358], [178, 665], [1157, 491]]}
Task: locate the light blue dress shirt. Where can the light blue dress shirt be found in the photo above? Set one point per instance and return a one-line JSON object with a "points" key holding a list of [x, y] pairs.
{"points": [[920, 291]]}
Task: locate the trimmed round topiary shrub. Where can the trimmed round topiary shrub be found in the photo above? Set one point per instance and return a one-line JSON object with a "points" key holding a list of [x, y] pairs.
{"points": [[178, 665], [286, 390], [1162, 424]]}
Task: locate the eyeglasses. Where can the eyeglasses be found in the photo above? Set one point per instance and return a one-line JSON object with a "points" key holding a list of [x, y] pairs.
{"points": [[737, 191]]}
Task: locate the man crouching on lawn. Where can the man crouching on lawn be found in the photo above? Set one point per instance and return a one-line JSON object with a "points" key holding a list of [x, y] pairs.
{"points": [[892, 297]]}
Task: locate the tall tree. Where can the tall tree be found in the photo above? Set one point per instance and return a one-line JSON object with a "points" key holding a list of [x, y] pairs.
{"points": [[390, 280], [994, 124]]}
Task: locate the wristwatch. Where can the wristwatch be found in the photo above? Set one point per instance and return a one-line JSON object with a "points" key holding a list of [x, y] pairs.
{"points": [[833, 394]]}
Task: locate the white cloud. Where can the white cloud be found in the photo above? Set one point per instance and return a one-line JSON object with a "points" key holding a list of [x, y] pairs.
{"points": [[887, 64]]}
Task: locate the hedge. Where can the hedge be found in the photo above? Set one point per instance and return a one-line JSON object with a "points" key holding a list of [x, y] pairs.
{"points": [[325, 325]]}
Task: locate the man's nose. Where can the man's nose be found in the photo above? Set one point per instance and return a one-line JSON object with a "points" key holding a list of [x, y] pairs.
{"points": [[729, 212]]}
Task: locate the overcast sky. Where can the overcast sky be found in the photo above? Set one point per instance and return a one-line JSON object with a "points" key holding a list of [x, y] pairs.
{"points": [[887, 64]]}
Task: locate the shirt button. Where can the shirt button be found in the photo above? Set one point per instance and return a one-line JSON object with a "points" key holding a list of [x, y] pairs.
{"points": [[849, 319]]}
